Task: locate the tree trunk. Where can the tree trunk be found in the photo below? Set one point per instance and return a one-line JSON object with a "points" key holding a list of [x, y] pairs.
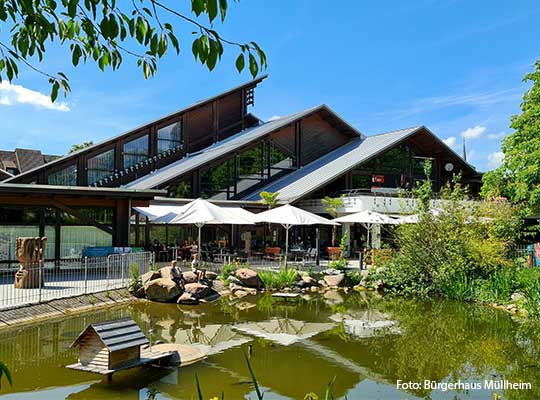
{"points": [[334, 234]]}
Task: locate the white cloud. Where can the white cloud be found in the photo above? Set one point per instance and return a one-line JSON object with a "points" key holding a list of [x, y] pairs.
{"points": [[11, 95], [495, 159], [494, 136], [472, 133], [450, 142]]}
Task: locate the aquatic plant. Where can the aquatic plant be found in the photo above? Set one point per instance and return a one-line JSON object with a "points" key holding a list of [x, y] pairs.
{"points": [[285, 277], [227, 270], [135, 285]]}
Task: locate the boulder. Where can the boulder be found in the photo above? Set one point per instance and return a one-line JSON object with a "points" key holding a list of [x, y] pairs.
{"points": [[335, 280], [197, 290], [235, 288], [235, 280], [149, 276], [248, 277], [139, 292], [331, 271], [165, 272], [211, 275], [516, 297], [187, 299], [314, 289], [309, 281], [190, 277], [333, 297], [162, 289], [240, 294], [218, 286], [210, 296]]}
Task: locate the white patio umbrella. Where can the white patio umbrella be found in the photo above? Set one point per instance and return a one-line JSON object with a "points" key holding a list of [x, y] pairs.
{"points": [[155, 211], [201, 212], [289, 216], [367, 219]]}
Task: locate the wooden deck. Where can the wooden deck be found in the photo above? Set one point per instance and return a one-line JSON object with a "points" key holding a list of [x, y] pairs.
{"points": [[147, 357]]}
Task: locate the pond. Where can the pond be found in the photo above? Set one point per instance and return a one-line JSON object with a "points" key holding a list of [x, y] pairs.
{"points": [[297, 346]]}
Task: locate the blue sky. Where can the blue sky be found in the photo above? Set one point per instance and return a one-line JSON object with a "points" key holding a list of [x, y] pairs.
{"points": [[454, 66]]}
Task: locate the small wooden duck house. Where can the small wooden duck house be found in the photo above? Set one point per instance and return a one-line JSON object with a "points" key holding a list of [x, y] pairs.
{"points": [[110, 346]]}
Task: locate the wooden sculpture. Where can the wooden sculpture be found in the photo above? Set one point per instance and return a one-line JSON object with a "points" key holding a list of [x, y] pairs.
{"points": [[30, 254]]}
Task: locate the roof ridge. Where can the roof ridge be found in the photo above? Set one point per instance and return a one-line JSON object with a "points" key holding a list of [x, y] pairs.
{"points": [[396, 130]]}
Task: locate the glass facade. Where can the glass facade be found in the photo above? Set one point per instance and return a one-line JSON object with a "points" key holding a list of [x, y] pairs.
{"points": [[64, 177], [169, 137], [75, 238], [135, 151], [100, 166], [181, 190], [400, 167]]}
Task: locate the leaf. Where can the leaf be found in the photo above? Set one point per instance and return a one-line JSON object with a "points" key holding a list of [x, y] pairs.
{"points": [[5, 371], [253, 378], [223, 9], [54, 91], [329, 395], [76, 55], [240, 62], [212, 9], [199, 391], [197, 6], [72, 8], [253, 67]]}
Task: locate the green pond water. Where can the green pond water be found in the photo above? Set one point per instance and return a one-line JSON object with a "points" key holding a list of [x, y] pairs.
{"points": [[366, 342]]}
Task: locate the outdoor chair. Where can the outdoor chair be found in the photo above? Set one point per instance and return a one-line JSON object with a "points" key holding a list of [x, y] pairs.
{"points": [[311, 255], [272, 254]]}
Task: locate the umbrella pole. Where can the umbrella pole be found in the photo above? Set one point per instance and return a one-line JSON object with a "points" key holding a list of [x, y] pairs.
{"points": [[199, 248], [286, 244]]}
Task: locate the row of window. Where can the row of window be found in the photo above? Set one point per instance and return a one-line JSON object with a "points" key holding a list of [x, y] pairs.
{"points": [[134, 152]]}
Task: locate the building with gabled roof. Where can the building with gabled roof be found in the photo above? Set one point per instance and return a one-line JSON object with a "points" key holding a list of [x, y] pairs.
{"points": [[218, 150]]}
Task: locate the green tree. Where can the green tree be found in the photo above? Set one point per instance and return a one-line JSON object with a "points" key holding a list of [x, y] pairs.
{"points": [[270, 199], [106, 31], [518, 178], [332, 207], [77, 147]]}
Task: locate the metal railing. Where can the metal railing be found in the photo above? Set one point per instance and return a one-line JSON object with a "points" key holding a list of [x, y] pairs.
{"points": [[72, 277]]}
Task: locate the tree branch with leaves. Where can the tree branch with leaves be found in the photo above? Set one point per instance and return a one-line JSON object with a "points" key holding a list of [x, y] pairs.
{"points": [[106, 31]]}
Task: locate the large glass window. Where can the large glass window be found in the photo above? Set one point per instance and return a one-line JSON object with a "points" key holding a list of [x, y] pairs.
{"points": [[75, 238], [100, 166], [169, 137], [218, 180], [64, 177], [135, 151], [181, 190]]}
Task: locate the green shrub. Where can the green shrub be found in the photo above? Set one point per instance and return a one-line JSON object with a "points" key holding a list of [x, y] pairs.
{"points": [[447, 253], [135, 284], [227, 270], [497, 288], [354, 278]]}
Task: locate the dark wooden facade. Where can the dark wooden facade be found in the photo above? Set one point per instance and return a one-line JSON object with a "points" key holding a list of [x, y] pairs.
{"points": [[202, 124]]}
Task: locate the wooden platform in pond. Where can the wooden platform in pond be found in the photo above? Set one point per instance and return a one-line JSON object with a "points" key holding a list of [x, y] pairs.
{"points": [[147, 357], [285, 295], [185, 354]]}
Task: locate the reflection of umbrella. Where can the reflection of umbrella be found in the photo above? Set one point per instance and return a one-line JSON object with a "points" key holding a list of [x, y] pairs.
{"points": [[283, 330], [214, 338], [289, 216], [367, 219], [201, 212], [367, 324]]}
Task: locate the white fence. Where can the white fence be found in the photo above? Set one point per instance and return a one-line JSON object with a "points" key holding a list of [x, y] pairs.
{"points": [[73, 277]]}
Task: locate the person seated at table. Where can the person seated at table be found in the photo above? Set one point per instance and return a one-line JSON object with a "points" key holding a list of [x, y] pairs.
{"points": [[185, 250], [299, 245], [194, 247], [176, 275], [201, 273]]}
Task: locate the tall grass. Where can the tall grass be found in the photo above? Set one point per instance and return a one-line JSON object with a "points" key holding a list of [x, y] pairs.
{"points": [[282, 279], [260, 394]]}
